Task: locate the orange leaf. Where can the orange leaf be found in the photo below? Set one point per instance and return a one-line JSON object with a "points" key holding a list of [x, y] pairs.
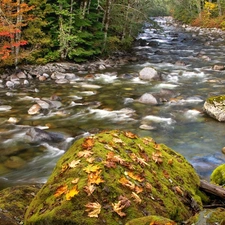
{"points": [[85, 154], [125, 182], [91, 168], [149, 187], [71, 193], [139, 160], [147, 140], [60, 190], [93, 209], [138, 189], [135, 176], [130, 134], [88, 143], [95, 178]]}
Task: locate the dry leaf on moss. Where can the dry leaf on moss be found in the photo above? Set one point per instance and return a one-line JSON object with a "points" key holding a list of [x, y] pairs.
{"points": [[91, 168], [61, 190], [71, 193], [89, 189], [120, 205], [125, 182], [88, 143], [85, 154], [95, 178], [74, 163], [130, 135], [93, 209]]}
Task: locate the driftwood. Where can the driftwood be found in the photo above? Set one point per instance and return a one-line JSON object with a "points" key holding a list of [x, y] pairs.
{"points": [[212, 189]]}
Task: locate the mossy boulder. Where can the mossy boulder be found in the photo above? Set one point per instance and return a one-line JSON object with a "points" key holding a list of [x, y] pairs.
{"points": [[215, 107], [218, 175], [114, 177], [14, 202]]}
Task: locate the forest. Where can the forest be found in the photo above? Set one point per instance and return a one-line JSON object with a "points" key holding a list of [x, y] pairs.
{"points": [[42, 31]]}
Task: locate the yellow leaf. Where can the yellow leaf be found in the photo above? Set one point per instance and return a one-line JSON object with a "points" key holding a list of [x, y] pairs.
{"points": [[88, 143], [71, 193], [135, 176], [91, 168], [60, 190], [74, 163], [95, 178], [125, 182], [93, 209], [120, 205], [75, 181]]}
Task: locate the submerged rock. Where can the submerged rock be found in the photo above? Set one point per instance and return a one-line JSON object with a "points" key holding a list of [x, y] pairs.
{"points": [[215, 107], [114, 177], [148, 73]]}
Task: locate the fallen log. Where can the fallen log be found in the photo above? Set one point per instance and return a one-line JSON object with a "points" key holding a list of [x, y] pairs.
{"points": [[212, 189]]}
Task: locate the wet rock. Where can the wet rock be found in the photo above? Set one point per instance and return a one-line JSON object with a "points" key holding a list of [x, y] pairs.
{"points": [[215, 107], [114, 177], [9, 84], [218, 67], [34, 109], [148, 98], [21, 75], [148, 73], [36, 135], [14, 201], [14, 162], [218, 175]]}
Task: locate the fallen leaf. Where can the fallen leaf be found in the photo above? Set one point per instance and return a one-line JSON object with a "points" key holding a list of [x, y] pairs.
{"points": [[120, 205], [95, 178], [139, 160], [119, 141], [88, 143], [89, 189], [90, 160], [125, 182], [170, 162], [136, 198], [147, 140], [130, 135], [71, 193], [61, 190], [134, 176], [148, 186], [178, 190], [85, 154], [93, 209], [166, 174], [64, 168], [74, 163], [157, 157], [91, 168], [108, 147], [110, 164], [138, 189]]}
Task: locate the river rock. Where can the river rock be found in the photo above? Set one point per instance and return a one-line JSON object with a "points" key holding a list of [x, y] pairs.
{"points": [[218, 67], [36, 135], [148, 73], [114, 177], [148, 98], [14, 201], [218, 175], [215, 107], [34, 109]]}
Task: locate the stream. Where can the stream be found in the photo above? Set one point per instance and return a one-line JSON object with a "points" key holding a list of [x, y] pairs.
{"points": [[109, 100]]}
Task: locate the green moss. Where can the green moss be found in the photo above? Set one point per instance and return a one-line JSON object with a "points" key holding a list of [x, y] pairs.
{"points": [[217, 99], [154, 180], [218, 175]]}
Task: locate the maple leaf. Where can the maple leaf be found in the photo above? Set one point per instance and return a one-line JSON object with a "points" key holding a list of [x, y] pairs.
{"points": [[178, 190], [91, 168], [108, 147], [71, 193], [85, 154], [166, 174], [120, 205], [89, 189], [119, 141], [148, 186], [90, 160], [61, 190], [157, 157], [88, 143], [74, 163], [125, 182], [93, 209], [139, 160], [110, 164], [136, 198], [147, 140], [95, 178], [130, 135], [138, 189], [134, 176], [170, 162]]}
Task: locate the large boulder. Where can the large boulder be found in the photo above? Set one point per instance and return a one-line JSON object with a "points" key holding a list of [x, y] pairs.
{"points": [[148, 73], [148, 98], [14, 202], [215, 107], [114, 177]]}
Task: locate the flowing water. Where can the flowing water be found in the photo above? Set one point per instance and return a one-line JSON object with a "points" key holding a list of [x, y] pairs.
{"points": [[108, 100]]}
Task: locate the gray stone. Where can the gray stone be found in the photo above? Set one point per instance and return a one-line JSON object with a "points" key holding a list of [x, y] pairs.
{"points": [[148, 98], [148, 73]]}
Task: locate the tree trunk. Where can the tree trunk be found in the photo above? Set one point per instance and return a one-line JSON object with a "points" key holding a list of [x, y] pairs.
{"points": [[106, 21]]}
